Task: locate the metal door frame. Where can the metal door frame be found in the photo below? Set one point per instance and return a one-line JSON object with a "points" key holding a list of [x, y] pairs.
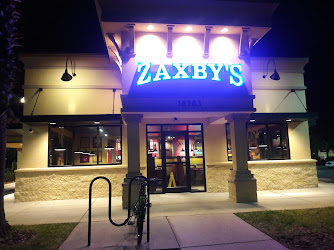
{"points": [[164, 167]]}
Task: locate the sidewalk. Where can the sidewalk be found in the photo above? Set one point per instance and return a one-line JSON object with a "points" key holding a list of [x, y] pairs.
{"points": [[168, 210], [9, 188], [214, 231]]}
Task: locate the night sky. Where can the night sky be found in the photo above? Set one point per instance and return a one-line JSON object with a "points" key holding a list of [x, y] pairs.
{"points": [[300, 29]]}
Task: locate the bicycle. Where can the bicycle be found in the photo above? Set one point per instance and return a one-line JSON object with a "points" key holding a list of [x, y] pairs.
{"points": [[139, 211]]}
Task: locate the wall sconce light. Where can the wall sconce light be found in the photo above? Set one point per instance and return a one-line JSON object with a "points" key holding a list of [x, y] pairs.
{"points": [[66, 76], [275, 76]]}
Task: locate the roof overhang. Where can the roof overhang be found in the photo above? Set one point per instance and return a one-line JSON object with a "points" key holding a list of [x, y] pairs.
{"points": [[282, 117], [107, 119], [201, 12]]}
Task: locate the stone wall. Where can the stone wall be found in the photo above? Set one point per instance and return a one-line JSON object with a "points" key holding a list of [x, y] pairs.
{"points": [[216, 177], [278, 175], [270, 175], [67, 183], [73, 182]]}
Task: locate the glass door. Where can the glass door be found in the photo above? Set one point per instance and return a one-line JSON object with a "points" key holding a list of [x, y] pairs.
{"points": [[175, 154], [197, 170], [175, 148]]}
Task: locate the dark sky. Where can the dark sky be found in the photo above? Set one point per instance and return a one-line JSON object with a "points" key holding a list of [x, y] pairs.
{"points": [[300, 29]]}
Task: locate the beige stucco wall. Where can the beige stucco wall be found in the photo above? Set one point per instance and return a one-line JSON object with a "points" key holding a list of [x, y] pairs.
{"points": [[276, 96], [67, 183], [299, 140], [19, 157], [270, 175], [95, 79], [35, 147]]}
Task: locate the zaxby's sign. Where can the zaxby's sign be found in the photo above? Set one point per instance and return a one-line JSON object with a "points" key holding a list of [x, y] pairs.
{"points": [[198, 71]]}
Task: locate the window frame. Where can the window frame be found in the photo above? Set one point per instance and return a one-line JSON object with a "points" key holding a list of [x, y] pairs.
{"points": [[97, 149], [266, 124]]}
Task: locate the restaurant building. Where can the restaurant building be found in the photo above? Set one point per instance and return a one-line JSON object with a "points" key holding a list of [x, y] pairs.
{"points": [[178, 98]]}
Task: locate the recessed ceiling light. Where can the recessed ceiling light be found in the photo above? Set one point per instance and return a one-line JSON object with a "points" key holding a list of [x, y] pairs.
{"points": [[150, 27], [288, 120], [53, 123], [97, 122], [224, 30], [188, 28], [252, 120]]}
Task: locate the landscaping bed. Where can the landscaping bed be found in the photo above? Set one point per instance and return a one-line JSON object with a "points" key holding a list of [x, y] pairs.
{"points": [[296, 229], [46, 236]]}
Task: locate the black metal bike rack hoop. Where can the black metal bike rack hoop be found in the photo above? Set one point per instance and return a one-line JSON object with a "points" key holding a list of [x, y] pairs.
{"points": [[109, 206]]}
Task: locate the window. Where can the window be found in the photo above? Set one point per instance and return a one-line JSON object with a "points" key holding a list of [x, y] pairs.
{"points": [[265, 141], [228, 142], [85, 145]]}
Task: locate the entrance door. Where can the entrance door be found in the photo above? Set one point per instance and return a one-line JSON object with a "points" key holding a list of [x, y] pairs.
{"points": [[175, 161], [176, 156]]}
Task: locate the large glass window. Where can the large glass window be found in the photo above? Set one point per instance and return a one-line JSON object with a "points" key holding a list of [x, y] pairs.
{"points": [[85, 145], [265, 141]]}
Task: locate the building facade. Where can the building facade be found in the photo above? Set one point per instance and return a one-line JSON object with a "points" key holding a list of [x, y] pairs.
{"points": [[177, 98]]}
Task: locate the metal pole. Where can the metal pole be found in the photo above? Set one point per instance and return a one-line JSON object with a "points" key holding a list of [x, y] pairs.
{"points": [[90, 213], [148, 209]]}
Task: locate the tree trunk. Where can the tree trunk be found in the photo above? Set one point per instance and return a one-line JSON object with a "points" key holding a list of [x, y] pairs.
{"points": [[4, 226]]}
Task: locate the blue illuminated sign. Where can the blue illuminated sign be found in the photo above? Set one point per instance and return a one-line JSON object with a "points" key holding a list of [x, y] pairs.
{"points": [[190, 71]]}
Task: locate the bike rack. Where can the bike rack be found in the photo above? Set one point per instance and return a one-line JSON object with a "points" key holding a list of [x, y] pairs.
{"points": [[148, 201], [109, 210]]}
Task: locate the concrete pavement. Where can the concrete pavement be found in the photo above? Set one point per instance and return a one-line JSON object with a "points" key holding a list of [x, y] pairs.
{"points": [[9, 188], [214, 231], [179, 218]]}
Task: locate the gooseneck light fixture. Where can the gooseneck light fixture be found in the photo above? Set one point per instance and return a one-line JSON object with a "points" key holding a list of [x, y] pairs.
{"points": [[66, 76], [275, 76]]}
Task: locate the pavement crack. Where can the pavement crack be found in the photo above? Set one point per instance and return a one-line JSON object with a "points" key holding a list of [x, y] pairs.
{"points": [[170, 225]]}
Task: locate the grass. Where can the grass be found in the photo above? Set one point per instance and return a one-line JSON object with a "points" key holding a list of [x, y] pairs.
{"points": [[46, 236], [296, 229]]}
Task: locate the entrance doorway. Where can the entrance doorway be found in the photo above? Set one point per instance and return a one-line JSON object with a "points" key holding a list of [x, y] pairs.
{"points": [[176, 155]]}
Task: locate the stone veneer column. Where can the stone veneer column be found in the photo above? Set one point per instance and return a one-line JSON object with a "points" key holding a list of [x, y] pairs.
{"points": [[241, 183], [132, 121]]}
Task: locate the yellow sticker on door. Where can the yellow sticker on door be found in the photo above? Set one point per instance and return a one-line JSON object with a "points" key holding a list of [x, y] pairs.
{"points": [[171, 180]]}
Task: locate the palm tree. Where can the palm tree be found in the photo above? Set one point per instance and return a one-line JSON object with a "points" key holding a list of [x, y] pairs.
{"points": [[10, 76]]}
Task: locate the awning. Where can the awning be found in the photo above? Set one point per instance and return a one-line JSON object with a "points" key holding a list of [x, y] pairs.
{"points": [[280, 117], [107, 119]]}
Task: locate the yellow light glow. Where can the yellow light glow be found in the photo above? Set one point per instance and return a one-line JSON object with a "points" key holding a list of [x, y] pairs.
{"points": [[188, 29], [150, 48], [150, 27], [187, 49], [224, 30], [223, 49]]}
